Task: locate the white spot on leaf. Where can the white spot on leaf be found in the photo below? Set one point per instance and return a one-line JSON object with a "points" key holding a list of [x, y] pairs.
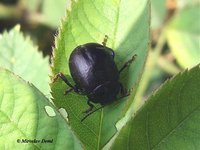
{"points": [[63, 112], [50, 112]]}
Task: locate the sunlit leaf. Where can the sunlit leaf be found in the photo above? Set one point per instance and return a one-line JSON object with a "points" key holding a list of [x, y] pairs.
{"points": [[19, 55], [25, 116]]}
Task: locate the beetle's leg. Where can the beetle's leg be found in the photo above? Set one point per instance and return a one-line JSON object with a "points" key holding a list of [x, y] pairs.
{"points": [[91, 112], [124, 92], [68, 91], [127, 63], [105, 40], [90, 108], [124, 95], [62, 76]]}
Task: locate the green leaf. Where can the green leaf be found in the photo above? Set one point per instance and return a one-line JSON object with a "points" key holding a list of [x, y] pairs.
{"points": [[158, 13], [183, 35], [126, 22], [169, 120], [19, 55], [25, 115]]}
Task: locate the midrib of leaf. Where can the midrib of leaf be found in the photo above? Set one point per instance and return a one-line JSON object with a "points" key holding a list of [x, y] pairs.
{"points": [[147, 130], [116, 25], [82, 24], [101, 122], [128, 141], [178, 126], [113, 45]]}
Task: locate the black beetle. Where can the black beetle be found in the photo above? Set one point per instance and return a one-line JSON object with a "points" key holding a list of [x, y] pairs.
{"points": [[95, 74]]}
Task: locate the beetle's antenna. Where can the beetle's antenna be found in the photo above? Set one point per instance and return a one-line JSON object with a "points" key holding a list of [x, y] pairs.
{"points": [[91, 113], [105, 40]]}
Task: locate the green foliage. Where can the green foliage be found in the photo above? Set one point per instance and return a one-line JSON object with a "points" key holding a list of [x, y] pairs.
{"points": [[158, 13], [23, 116], [51, 11], [169, 120], [183, 34], [128, 32], [20, 56]]}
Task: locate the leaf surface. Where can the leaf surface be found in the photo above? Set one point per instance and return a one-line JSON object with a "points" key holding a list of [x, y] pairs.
{"points": [[19, 55], [26, 114], [126, 23], [170, 118]]}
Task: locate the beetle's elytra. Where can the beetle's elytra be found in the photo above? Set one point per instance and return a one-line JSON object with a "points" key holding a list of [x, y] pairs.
{"points": [[95, 74]]}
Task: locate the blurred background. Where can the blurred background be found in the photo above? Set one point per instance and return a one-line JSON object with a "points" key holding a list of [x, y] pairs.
{"points": [[175, 33], [37, 18]]}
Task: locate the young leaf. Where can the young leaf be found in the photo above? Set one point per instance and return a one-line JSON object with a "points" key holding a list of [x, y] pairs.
{"points": [[169, 120], [20, 56], [183, 34], [126, 22], [24, 116]]}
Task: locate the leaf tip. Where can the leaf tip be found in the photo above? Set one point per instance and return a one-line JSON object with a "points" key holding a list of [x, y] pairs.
{"points": [[17, 27]]}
